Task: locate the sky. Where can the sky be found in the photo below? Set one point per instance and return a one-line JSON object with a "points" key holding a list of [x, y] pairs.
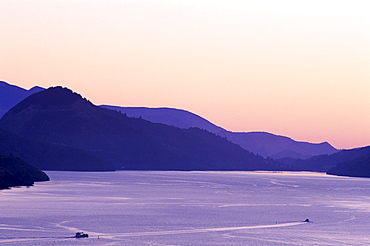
{"points": [[295, 68]]}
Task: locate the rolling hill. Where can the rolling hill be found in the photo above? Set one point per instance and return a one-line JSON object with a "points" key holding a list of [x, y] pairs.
{"points": [[261, 143]]}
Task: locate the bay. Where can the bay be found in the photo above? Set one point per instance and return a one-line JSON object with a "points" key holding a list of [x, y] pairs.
{"points": [[188, 208]]}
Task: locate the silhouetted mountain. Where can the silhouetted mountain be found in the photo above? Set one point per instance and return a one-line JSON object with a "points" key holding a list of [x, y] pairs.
{"points": [[59, 116], [274, 146], [10, 95], [324, 162], [47, 156], [261, 143], [359, 167], [169, 116], [15, 172]]}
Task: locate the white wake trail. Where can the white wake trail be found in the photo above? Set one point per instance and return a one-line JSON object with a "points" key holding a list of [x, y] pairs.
{"points": [[201, 230]]}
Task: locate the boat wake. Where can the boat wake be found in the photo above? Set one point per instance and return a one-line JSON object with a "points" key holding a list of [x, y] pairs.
{"points": [[17, 228], [140, 234], [200, 230]]}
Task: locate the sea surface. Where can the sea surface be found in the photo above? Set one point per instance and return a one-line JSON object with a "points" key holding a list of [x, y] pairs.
{"points": [[188, 208]]}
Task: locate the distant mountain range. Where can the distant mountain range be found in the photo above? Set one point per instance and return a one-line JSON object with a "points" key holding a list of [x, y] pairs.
{"points": [[57, 129], [261, 143]]}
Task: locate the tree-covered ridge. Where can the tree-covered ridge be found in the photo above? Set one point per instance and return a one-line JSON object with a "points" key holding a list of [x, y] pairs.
{"points": [[324, 162], [359, 167]]}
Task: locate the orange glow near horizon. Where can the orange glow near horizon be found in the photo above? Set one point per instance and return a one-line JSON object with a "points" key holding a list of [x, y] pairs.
{"points": [[294, 68]]}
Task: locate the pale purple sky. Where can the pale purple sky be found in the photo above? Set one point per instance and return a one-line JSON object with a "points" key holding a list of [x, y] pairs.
{"points": [[294, 68]]}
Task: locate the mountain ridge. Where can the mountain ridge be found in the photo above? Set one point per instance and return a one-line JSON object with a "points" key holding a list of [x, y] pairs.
{"points": [[261, 143], [128, 143], [73, 110]]}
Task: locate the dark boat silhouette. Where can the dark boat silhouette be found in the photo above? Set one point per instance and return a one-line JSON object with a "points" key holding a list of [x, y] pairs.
{"points": [[81, 234]]}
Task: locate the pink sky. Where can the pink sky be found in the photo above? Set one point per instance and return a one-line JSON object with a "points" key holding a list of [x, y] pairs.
{"points": [[294, 68]]}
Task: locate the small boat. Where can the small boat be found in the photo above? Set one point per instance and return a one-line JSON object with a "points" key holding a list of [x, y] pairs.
{"points": [[81, 234], [306, 220]]}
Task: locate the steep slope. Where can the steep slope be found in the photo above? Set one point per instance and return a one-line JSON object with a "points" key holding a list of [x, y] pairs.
{"points": [[10, 95], [359, 167], [15, 172], [59, 116], [262, 143]]}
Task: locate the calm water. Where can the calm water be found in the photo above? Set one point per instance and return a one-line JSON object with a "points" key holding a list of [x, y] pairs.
{"points": [[188, 208]]}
